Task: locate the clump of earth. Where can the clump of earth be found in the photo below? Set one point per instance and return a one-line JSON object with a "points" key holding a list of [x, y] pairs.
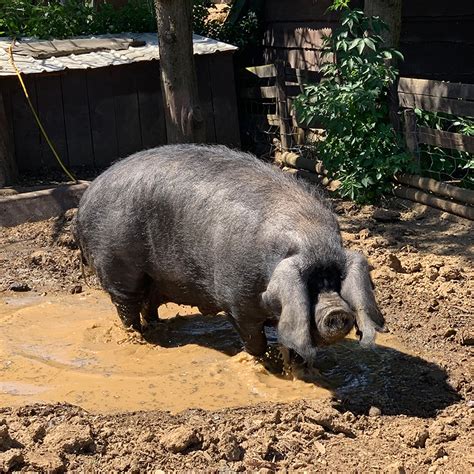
{"points": [[414, 414]]}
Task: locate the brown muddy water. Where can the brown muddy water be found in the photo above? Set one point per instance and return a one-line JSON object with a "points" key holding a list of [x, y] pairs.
{"points": [[72, 348]]}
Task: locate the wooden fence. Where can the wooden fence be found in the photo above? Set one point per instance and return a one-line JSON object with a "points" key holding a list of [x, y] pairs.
{"points": [[435, 96], [270, 89], [95, 116]]}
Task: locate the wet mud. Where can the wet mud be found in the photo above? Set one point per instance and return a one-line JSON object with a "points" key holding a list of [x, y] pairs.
{"points": [[73, 349]]}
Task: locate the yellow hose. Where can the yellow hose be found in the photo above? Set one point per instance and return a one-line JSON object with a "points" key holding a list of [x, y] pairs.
{"points": [[38, 121]]}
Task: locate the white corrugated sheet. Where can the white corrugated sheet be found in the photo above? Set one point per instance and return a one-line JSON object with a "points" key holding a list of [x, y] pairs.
{"points": [[30, 65]]}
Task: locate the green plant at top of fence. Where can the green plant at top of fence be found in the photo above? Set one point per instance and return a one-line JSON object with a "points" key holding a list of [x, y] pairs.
{"points": [[57, 19], [442, 163], [360, 146]]}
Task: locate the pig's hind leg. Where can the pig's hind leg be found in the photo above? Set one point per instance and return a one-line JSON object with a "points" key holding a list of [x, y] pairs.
{"points": [[152, 300], [126, 287]]}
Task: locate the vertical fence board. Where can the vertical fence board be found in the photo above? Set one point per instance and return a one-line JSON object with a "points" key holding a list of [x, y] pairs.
{"points": [[76, 118], [127, 117], [224, 99], [51, 113], [102, 113], [150, 99], [205, 95], [26, 132]]}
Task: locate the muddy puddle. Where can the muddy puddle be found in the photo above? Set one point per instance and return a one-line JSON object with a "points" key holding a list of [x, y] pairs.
{"points": [[72, 349]]}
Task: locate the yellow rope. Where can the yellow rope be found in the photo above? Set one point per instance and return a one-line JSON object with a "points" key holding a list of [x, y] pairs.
{"points": [[38, 121]]}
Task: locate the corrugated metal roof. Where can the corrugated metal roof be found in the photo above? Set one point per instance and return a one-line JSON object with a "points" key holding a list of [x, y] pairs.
{"points": [[30, 65]]}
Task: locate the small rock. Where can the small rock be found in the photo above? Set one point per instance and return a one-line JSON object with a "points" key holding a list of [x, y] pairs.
{"points": [[19, 286], [37, 431], [394, 263], [375, 411], [75, 289], [146, 437], [180, 439], [386, 215], [5, 441], [230, 448], [46, 462], [445, 289], [435, 452], [432, 273], [417, 439], [364, 234], [414, 267], [38, 258], [467, 339], [70, 438], [11, 460], [450, 273], [395, 468], [449, 332]]}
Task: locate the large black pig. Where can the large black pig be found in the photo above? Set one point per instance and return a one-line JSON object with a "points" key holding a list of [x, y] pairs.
{"points": [[219, 229]]}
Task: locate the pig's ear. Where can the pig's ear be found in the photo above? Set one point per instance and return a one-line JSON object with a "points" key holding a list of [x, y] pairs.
{"points": [[357, 291], [287, 291]]}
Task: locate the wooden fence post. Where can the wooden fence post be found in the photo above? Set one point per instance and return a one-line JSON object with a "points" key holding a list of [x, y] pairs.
{"points": [[8, 168], [411, 133], [282, 106]]}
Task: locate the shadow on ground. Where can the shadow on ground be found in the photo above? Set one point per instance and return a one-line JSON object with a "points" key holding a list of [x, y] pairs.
{"points": [[393, 381]]}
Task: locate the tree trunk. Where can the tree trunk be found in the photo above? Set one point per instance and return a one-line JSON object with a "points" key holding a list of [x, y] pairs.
{"points": [[184, 120], [390, 11], [8, 169]]}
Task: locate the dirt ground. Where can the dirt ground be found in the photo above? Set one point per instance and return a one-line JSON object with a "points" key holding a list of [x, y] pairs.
{"points": [[418, 417]]}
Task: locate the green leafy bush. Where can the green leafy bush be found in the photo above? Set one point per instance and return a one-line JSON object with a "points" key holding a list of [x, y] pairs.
{"points": [[360, 146]]}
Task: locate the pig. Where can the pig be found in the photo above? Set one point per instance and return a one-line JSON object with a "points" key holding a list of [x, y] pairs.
{"points": [[220, 229]]}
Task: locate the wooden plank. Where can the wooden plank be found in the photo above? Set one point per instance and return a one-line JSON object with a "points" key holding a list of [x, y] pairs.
{"points": [[221, 69], [205, 95], [455, 141], [299, 10], [309, 59], [437, 104], [267, 70], [433, 201], [411, 137], [127, 116], [102, 113], [308, 35], [150, 100], [267, 92], [26, 132], [51, 113], [410, 85], [441, 61], [76, 118], [437, 8], [440, 29], [464, 196]]}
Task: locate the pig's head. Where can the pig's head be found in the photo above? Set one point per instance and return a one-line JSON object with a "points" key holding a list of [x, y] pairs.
{"points": [[309, 309]]}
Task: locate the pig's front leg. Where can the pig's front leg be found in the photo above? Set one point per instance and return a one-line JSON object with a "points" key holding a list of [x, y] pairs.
{"points": [[357, 291], [129, 313], [252, 334]]}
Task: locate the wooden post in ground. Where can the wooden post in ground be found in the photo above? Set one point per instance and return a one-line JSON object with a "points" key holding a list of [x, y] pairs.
{"points": [[8, 168], [184, 118], [282, 106]]}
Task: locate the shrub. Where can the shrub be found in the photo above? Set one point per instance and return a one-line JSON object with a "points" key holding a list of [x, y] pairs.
{"points": [[360, 147]]}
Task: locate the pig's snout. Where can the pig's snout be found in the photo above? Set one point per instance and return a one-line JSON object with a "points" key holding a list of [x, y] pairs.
{"points": [[334, 318]]}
